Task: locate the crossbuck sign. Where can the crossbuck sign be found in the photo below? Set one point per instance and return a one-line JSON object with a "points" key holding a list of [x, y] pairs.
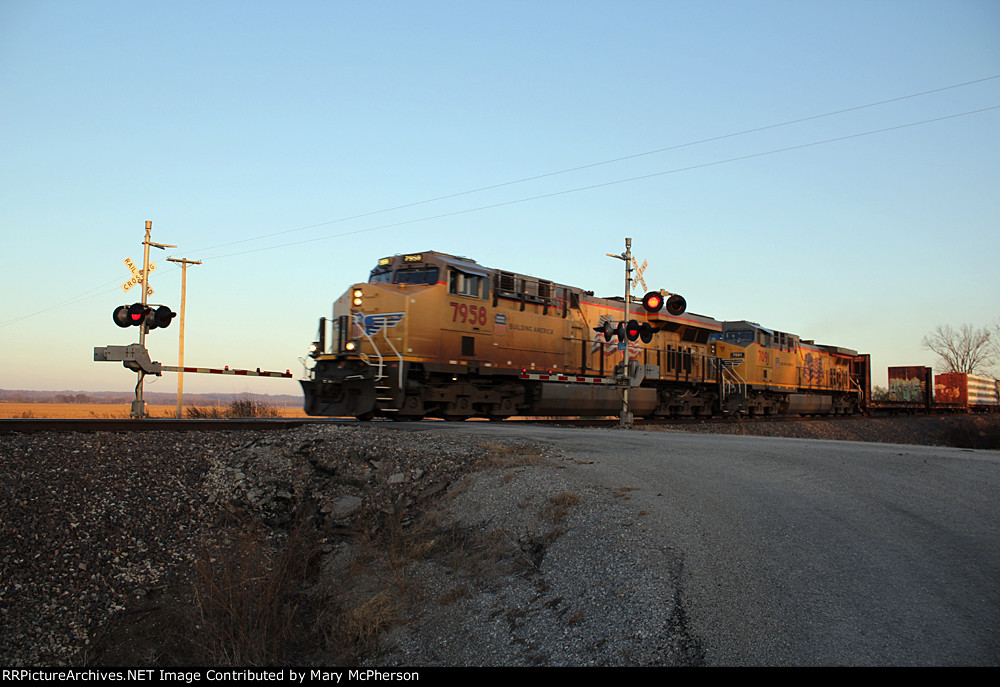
{"points": [[639, 269], [136, 276]]}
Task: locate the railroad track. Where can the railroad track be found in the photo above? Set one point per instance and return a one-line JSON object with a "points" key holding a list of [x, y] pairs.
{"points": [[147, 424], [30, 425]]}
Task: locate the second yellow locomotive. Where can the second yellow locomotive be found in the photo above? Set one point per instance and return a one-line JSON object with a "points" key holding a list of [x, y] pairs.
{"points": [[431, 334]]}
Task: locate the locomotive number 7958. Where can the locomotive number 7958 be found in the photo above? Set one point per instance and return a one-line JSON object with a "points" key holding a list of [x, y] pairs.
{"points": [[469, 314]]}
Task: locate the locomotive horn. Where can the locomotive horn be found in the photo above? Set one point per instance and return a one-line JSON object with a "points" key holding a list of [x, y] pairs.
{"points": [[676, 305]]}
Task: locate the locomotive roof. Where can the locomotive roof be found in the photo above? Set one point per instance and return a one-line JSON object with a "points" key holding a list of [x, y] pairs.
{"points": [[467, 265], [472, 267], [746, 325]]}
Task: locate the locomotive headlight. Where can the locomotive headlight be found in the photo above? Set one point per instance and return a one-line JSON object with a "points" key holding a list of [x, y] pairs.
{"points": [[356, 297], [350, 346]]}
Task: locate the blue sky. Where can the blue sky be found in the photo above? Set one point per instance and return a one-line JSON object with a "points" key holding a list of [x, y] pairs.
{"points": [[272, 141]]}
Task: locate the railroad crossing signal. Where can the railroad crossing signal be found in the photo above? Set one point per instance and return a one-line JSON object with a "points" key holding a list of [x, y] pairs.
{"points": [[130, 315], [653, 301], [644, 331], [676, 305], [626, 331], [611, 330], [137, 315], [160, 317]]}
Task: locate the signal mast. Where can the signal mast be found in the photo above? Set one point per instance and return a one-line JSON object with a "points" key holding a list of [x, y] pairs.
{"points": [[625, 419]]}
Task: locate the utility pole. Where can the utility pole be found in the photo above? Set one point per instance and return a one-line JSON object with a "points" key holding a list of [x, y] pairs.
{"points": [[184, 262], [139, 406], [626, 415]]}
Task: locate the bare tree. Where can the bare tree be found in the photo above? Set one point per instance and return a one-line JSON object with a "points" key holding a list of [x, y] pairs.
{"points": [[995, 344], [966, 349]]}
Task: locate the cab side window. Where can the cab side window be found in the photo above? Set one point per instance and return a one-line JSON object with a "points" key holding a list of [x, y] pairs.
{"points": [[462, 284]]}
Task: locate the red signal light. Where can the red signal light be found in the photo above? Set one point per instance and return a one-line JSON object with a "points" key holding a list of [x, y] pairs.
{"points": [[607, 329], [653, 301], [632, 330]]}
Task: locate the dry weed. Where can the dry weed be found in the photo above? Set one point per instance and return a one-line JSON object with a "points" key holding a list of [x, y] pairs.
{"points": [[237, 408], [364, 624], [558, 506], [973, 432], [494, 455], [246, 597]]}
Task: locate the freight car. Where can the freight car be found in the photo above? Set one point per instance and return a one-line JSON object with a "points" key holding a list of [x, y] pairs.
{"points": [[967, 391], [436, 335], [917, 390]]}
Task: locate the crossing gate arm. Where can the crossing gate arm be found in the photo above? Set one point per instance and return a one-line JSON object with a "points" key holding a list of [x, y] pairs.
{"points": [[556, 377], [243, 373], [136, 357]]}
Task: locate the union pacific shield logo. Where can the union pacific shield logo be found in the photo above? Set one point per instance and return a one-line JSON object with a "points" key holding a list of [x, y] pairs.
{"points": [[373, 324]]}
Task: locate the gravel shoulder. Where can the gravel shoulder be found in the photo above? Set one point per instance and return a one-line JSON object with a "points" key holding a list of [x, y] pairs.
{"points": [[375, 547]]}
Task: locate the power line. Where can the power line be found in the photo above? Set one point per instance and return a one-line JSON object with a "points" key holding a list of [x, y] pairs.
{"points": [[614, 182], [591, 165], [578, 189]]}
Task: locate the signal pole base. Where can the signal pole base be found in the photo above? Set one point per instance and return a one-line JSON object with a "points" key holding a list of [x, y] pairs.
{"points": [[626, 420]]}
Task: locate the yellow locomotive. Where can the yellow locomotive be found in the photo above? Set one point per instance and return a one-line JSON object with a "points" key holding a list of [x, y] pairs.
{"points": [[436, 335], [779, 372]]}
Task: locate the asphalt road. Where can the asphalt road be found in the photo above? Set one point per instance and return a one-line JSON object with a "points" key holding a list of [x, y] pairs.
{"points": [[807, 552]]}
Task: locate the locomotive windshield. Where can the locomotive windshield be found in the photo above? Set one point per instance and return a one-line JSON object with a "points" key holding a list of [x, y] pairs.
{"points": [[416, 275], [404, 275], [740, 337], [380, 275]]}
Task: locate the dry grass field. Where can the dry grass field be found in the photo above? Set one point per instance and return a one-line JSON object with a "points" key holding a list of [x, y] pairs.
{"points": [[102, 410]]}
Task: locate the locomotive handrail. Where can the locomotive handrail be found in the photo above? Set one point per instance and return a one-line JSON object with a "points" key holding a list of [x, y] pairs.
{"points": [[398, 355], [731, 380], [381, 359], [857, 386], [366, 357]]}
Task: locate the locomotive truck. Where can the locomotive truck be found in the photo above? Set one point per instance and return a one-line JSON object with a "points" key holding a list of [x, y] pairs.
{"points": [[437, 335]]}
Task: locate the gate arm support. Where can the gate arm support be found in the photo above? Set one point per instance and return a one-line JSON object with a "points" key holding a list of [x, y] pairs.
{"points": [[134, 357]]}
